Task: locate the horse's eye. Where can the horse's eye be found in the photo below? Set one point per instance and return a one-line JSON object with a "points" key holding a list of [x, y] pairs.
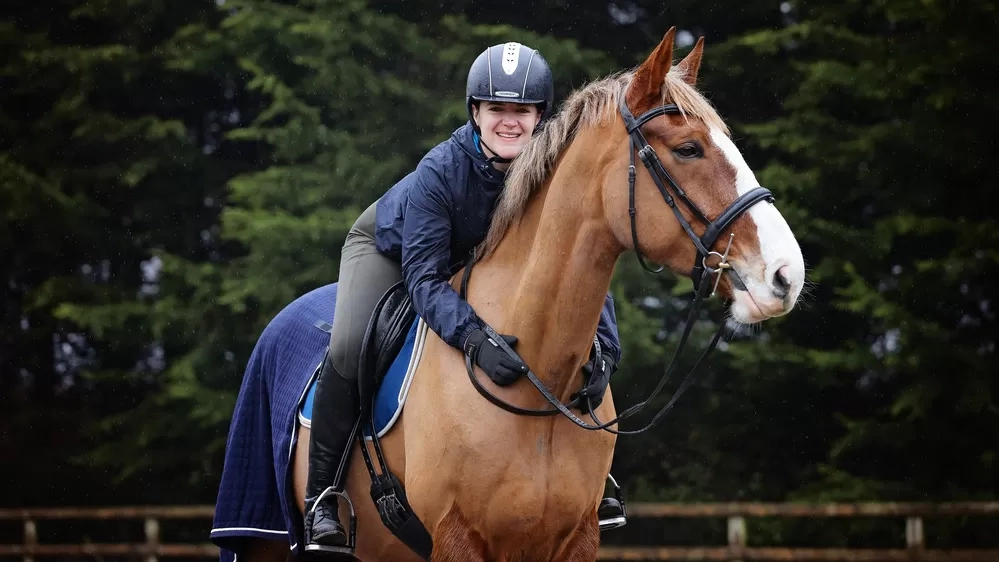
{"points": [[688, 150]]}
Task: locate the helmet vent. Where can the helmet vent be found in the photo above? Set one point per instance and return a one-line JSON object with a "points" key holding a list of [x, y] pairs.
{"points": [[511, 56]]}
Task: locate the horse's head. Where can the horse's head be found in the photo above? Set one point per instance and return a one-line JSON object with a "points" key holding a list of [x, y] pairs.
{"points": [[696, 167]]}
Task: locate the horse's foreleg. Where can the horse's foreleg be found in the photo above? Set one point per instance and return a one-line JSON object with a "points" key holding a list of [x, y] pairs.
{"points": [[584, 543], [454, 541]]}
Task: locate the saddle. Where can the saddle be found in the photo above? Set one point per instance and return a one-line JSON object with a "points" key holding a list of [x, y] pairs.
{"points": [[390, 322], [384, 339]]}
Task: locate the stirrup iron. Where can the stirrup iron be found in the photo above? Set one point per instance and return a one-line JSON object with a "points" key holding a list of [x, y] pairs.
{"points": [[350, 527], [612, 512]]}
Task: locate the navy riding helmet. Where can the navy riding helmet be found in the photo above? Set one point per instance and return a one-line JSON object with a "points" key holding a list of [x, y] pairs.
{"points": [[510, 72]]}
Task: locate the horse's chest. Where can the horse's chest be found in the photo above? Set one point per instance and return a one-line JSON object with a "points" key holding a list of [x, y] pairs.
{"points": [[534, 488], [532, 521], [521, 485]]}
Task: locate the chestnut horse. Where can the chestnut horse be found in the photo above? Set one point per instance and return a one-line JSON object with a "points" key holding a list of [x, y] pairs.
{"points": [[491, 485]]}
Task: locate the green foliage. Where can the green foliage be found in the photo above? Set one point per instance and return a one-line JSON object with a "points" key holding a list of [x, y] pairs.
{"points": [[99, 168]]}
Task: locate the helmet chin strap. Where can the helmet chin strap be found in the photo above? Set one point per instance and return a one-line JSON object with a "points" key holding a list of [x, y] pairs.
{"points": [[496, 158]]}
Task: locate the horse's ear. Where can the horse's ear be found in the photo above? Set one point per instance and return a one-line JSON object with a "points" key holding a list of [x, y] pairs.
{"points": [[650, 76], [692, 63]]}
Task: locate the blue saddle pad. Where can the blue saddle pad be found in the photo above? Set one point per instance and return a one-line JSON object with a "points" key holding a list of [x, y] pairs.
{"points": [[391, 395]]}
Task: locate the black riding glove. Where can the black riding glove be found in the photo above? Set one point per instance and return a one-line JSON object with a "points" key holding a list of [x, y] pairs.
{"points": [[596, 385], [503, 368]]}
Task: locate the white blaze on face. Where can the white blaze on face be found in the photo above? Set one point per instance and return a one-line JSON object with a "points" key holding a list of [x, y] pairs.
{"points": [[778, 247]]}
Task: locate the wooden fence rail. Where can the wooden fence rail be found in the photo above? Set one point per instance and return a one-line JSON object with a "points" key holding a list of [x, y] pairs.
{"points": [[735, 513]]}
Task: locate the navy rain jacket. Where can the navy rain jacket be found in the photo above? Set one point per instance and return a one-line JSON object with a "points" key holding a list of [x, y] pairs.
{"points": [[433, 218]]}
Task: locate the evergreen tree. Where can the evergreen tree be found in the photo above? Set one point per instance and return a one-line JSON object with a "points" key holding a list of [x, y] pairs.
{"points": [[888, 133], [101, 164]]}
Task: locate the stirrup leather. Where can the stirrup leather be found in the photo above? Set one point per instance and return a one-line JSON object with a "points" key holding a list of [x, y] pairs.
{"points": [[350, 528], [612, 512]]}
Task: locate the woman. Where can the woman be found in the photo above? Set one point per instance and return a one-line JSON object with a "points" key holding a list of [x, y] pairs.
{"points": [[418, 231]]}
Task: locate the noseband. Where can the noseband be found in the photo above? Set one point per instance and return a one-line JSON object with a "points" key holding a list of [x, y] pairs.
{"points": [[701, 274]]}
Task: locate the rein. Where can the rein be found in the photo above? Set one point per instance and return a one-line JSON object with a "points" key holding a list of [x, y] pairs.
{"points": [[702, 283]]}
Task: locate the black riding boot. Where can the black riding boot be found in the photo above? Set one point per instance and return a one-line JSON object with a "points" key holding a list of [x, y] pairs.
{"points": [[334, 427]]}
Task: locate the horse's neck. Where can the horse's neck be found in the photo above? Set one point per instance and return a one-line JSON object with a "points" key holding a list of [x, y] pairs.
{"points": [[552, 271]]}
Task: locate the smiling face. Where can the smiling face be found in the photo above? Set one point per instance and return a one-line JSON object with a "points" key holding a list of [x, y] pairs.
{"points": [[505, 127]]}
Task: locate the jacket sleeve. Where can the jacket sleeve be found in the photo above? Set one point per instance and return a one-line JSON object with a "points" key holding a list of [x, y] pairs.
{"points": [[607, 330], [426, 249]]}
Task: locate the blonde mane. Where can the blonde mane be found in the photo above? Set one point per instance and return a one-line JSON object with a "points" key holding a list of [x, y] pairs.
{"points": [[590, 105]]}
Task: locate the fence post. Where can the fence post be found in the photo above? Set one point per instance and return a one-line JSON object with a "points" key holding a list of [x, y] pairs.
{"points": [[736, 535], [30, 539], [152, 538], [914, 533]]}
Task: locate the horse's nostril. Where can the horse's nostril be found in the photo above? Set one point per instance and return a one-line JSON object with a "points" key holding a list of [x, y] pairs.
{"points": [[781, 285]]}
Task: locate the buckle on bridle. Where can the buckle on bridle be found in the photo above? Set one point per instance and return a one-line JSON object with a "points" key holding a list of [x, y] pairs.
{"points": [[722, 263]]}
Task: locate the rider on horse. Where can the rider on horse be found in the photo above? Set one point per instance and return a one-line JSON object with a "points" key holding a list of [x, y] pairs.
{"points": [[420, 231]]}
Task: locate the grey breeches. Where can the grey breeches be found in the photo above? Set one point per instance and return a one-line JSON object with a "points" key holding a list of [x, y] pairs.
{"points": [[365, 276]]}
